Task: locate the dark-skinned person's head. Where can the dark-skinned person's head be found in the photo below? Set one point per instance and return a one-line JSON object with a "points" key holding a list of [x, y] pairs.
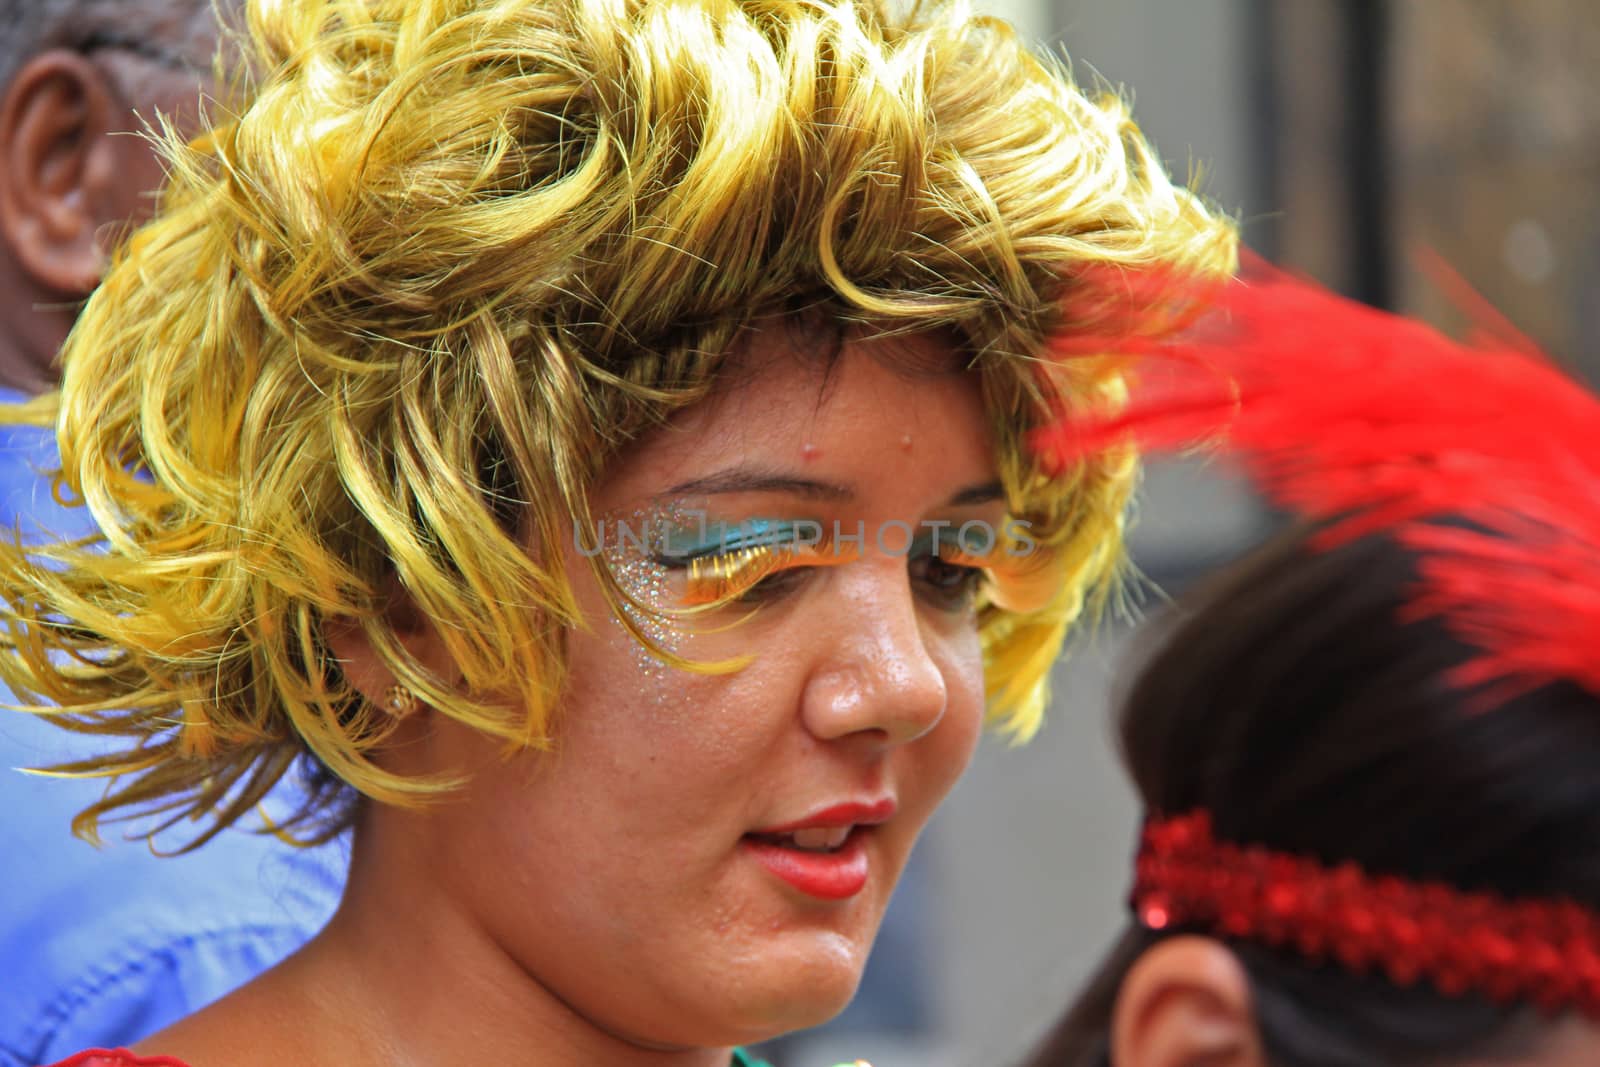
{"points": [[1366, 755], [80, 83]]}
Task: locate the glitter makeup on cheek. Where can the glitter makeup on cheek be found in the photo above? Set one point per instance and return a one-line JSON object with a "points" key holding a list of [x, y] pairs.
{"points": [[666, 558], [626, 541]]}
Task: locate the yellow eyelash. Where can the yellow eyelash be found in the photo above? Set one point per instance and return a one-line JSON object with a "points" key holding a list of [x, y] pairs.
{"points": [[960, 557], [1030, 586], [728, 575], [1022, 583]]}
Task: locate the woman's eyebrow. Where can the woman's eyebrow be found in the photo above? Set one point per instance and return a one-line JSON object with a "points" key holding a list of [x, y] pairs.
{"points": [[748, 480], [986, 493]]}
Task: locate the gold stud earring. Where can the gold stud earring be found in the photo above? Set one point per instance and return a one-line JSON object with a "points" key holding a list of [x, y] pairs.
{"points": [[399, 701]]}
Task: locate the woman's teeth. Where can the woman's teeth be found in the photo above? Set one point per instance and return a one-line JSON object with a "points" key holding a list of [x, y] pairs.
{"points": [[820, 838]]}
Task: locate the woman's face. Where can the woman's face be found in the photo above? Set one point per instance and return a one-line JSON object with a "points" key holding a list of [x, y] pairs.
{"points": [[705, 858]]}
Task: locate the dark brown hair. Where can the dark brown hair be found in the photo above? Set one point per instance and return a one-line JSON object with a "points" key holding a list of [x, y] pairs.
{"points": [[1293, 703]]}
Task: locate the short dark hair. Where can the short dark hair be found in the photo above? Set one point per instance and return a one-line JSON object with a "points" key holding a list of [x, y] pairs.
{"points": [[163, 30], [1297, 704]]}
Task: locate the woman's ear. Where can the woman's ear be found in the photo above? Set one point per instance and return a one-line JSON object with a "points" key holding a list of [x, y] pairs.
{"points": [[360, 662], [1186, 1003]]}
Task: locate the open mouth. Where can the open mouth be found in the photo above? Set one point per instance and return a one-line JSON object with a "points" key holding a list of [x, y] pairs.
{"points": [[825, 863], [826, 855], [823, 839]]}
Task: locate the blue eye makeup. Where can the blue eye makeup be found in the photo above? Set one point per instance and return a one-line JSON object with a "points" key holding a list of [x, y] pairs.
{"points": [[681, 545], [724, 562]]}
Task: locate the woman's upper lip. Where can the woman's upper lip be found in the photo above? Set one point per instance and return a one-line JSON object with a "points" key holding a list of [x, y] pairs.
{"points": [[850, 813]]}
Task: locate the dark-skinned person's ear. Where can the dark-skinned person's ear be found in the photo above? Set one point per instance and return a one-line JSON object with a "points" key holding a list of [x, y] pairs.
{"points": [[62, 175], [1186, 1003]]}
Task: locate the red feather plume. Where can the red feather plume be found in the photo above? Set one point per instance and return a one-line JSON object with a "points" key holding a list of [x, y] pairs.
{"points": [[1378, 422]]}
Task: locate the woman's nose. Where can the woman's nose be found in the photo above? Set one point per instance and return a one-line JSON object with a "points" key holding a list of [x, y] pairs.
{"points": [[879, 675]]}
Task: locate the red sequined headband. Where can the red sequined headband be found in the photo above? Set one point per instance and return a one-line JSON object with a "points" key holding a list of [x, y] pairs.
{"points": [[1545, 953]]}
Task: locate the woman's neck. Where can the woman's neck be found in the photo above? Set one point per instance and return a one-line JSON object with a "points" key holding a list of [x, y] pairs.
{"points": [[402, 977]]}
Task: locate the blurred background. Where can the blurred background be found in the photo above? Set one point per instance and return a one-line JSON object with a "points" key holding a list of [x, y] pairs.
{"points": [[1346, 135]]}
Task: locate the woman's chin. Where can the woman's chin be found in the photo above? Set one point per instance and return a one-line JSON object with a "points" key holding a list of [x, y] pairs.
{"points": [[804, 994], [756, 1016], [793, 982]]}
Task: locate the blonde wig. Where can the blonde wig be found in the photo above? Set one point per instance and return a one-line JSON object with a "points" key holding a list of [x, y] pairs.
{"points": [[447, 258]]}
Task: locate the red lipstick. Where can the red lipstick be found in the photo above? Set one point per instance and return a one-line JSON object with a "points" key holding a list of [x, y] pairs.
{"points": [[836, 873], [860, 814]]}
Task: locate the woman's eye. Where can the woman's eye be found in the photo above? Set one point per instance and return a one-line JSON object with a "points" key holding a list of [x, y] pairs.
{"points": [[773, 585], [743, 576], [951, 584]]}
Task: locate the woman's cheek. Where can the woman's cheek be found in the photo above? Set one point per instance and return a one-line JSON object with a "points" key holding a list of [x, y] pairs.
{"points": [[680, 722], [971, 674], [962, 663], [956, 738]]}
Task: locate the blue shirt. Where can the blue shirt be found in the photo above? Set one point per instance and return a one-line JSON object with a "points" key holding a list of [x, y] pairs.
{"points": [[101, 947]]}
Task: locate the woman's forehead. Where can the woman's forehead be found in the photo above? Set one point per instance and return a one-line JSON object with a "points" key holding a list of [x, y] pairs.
{"points": [[787, 368], [817, 338], [834, 421]]}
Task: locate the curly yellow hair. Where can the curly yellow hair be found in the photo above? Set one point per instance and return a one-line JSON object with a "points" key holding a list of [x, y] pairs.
{"points": [[399, 311]]}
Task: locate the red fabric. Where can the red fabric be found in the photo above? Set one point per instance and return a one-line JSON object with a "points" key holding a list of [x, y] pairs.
{"points": [[117, 1057], [1378, 422]]}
